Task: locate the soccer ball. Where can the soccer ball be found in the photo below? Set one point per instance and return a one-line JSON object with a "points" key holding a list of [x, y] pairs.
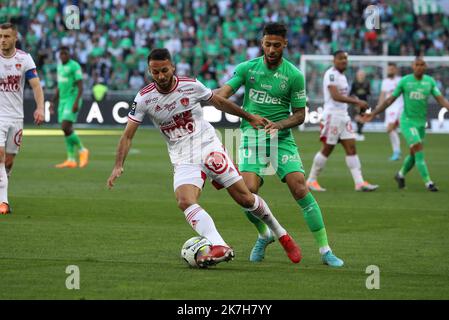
{"points": [[191, 248]]}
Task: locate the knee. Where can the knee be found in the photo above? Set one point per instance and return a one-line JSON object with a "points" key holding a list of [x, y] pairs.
{"points": [[246, 200], [8, 163], [351, 151], [416, 148], [67, 131], [184, 202], [299, 190]]}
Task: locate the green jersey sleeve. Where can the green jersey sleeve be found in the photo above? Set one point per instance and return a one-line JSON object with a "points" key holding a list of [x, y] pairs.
{"points": [[298, 92], [238, 79], [399, 88], [435, 91], [78, 73]]}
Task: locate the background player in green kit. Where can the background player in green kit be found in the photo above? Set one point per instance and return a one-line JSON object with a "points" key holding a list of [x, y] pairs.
{"points": [[68, 99], [273, 89], [416, 89]]}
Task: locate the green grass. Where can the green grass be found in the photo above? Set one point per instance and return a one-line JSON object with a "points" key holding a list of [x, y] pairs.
{"points": [[126, 241]]}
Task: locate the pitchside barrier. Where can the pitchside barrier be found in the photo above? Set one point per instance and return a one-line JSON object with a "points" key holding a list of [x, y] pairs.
{"points": [[113, 109]]}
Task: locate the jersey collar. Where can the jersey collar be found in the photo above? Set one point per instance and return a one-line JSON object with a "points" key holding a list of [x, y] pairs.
{"points": [[12, 56], [173, 89]]}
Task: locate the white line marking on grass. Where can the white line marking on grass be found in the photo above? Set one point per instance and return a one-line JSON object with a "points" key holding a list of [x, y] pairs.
{"points": [[57, 132]]}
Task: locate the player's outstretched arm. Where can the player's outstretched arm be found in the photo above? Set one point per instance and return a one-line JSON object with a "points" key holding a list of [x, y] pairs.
{"points": [[379, 109], [442, 101], [296, 119], [230, 107], [122, 151], [39, 98], [337, 96], [225, 91]]}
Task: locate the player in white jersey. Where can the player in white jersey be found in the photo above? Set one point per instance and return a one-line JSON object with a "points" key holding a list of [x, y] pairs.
{"points": [[336, 125], [173, 104], [394, 111], [16, 66]]}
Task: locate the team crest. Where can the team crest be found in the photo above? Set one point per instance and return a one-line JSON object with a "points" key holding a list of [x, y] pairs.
{"points": [[18, 66], [283, 85], [18, 138], [216, 162], [185, 102]]}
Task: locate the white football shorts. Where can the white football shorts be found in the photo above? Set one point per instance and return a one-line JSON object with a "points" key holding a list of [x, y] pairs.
{"points": [[216, 164], [11, 135], [335, 127]]}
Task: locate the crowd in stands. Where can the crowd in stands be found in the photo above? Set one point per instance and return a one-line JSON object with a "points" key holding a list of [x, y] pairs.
{"points": [[208, 38]]}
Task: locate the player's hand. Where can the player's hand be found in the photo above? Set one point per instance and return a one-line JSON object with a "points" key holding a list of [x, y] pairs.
{"points": [[367, 117], [38, 116], [75, 107], [272, 128], [116, 172], [257, 121], [363, 105]]}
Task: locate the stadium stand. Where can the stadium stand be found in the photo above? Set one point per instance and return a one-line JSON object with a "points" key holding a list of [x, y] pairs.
{"points": [[210, 37]]}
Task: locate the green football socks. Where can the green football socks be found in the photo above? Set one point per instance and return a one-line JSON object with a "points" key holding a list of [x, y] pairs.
{"points": [[70, 149], [262, 228], [314, 219], [407, 165], [75, 141], [422, 167]]}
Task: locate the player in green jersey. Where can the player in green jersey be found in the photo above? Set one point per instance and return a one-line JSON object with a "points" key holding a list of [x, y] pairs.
{"points": [[68, 99], [416, 89], [275, 88]]}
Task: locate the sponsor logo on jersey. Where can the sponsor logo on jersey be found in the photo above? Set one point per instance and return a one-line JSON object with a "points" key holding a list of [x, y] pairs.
{"points": [[182, 124], [262, 97], [257, 72], [8, 67], [10, 83], [300, 94], [266, 86], [252, 79], [277, 75], [181, 90], [416, 95], [152, 100], [169, 107], [185, 102]]}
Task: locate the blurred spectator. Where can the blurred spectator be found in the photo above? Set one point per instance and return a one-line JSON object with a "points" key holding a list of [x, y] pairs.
{"points": [[115, 35], [136, 81]]}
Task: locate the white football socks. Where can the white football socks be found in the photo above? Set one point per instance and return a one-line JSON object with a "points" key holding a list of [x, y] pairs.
{"points": [[353, 163], [395, 141], [3, 184], [261, 210], [319, 162], [203, 224]]}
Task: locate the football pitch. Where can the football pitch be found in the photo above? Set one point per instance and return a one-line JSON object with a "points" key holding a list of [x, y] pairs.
{"points": [[126, 241]]}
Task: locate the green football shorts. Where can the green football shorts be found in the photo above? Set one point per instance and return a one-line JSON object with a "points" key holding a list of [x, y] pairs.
{"points": [[412, 133], [65, 109], [281, 158]]}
